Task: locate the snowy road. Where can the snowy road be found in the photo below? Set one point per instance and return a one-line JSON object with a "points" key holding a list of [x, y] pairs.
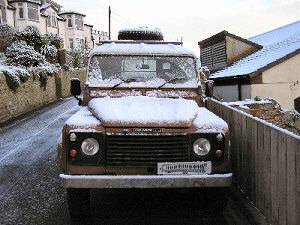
{"points": [[30, 191]]}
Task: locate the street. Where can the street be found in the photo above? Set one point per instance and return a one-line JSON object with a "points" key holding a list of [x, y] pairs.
{"points": [[30, 192]]}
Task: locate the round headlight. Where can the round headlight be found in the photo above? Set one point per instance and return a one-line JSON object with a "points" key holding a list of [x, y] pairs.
{"points": [[202, 146], [90, 146]]}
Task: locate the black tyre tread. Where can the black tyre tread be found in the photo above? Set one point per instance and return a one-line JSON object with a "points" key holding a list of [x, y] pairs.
{"points": [[140, 35], [78, 202]]}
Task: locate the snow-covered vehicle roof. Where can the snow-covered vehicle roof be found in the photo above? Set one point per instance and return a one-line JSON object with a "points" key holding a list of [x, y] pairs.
{"points": [[140, 48]]}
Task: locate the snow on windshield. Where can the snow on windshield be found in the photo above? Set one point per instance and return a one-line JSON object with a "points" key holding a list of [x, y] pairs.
{"points": [[139, 71]]}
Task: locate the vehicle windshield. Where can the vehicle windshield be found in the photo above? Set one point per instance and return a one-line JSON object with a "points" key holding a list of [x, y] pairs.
{"points": [[142, 70]]}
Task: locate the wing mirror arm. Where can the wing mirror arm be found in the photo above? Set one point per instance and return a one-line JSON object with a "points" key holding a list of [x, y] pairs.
{"points": [[76, 89]]}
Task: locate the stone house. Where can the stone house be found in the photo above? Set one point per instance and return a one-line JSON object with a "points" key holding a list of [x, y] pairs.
{"points": [[47, 16], [267, 65]]}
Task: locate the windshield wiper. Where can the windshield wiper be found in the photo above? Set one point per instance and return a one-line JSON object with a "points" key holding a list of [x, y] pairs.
{"points": [[122, 82], [171, 80]]}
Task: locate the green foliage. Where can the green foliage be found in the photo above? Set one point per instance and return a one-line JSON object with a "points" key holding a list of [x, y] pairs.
{"points": [[6, 36], [15, 77], [12, 80], [53, 39], [295, 115], [291, 124], [32, 36], [76, 58], [19, 53], [50, 52], [257, 98]]}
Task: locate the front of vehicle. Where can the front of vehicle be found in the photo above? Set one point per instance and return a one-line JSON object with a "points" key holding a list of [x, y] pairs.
{"points": [[143, 124]]}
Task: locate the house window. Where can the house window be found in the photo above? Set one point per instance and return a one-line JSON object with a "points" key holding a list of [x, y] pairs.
{"points": [[52, 20], [21, 11], [71, 43], [78, 22], [33, 13], [70, 24]]}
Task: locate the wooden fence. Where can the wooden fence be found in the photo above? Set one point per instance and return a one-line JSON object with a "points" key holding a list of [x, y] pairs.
{"points": [[265, 164]]}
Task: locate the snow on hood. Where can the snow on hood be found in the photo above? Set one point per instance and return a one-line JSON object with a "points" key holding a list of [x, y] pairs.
{"points": [[83, 118], [144, 111], [208, 122]]}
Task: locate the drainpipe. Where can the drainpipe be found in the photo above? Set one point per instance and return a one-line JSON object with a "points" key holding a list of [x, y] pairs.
{"points": [[240, 91]]}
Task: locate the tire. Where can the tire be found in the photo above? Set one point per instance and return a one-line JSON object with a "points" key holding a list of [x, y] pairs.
{"points": [[79, 202], [212, 200], [217, 200], [141, 34]]}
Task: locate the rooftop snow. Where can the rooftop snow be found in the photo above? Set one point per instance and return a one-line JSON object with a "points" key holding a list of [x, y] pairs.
{"points": [[141, 48], [276, 44], [70, 12]]}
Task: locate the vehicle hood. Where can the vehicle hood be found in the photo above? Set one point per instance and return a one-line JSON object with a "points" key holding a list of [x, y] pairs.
{"points": [[143, 111]]}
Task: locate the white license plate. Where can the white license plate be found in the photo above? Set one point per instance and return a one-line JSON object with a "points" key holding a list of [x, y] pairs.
{"points": [[195, 168]]}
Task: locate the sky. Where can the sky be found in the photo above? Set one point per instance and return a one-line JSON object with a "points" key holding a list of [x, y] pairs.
{"points": [[191, 20]]}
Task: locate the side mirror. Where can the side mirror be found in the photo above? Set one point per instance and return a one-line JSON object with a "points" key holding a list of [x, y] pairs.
{"points": [[75, 86], [209, 88]]}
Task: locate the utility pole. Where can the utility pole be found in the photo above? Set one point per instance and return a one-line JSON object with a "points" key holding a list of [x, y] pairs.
{"points": [[109, 15]]}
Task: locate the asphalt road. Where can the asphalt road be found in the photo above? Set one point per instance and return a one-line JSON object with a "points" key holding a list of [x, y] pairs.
{"points": [[30, 192]]}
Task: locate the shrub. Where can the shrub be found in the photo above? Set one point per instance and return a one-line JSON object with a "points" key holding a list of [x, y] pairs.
{"points": [[76, 58], [32, 36], [50, 53], [19, 53], [12, 80], [52, 39], [6, 36]]}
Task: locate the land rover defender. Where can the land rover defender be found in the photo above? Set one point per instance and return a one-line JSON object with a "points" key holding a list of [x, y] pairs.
{"points": [[142, 124]]}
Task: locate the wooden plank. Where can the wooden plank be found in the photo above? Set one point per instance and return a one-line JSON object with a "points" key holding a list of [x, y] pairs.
{"points": [[250, 155], [259, 185], [282, 172], [274, 176], [266, 163], [253, 156], [292, 147], [244, 154]]}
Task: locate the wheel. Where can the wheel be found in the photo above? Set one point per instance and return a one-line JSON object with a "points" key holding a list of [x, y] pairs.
{"points": [[217, 199], [212, 200], [140, 34], [78, 202]]}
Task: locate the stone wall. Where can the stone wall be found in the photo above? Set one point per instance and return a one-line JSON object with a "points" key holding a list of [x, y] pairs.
{"points": [[31, 96]]}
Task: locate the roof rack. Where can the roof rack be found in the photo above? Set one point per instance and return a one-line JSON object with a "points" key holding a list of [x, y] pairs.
{"points": [[137, 42]]}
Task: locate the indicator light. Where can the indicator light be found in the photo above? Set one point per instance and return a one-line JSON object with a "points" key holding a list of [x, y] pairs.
{"points": [[73, 153], [219, 153]]}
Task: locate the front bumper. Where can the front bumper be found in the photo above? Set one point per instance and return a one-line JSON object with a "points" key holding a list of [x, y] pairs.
{"points": [[145, 181]]}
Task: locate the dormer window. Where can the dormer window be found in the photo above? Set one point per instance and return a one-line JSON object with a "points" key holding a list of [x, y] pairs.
{"points": [[69, 19], [78, 22], [20, 11], [33, 11]]}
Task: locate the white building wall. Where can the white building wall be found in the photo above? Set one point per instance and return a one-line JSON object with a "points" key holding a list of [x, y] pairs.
{"points": [[227, 93]]}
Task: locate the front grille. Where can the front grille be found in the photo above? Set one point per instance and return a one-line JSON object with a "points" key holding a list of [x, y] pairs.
{"points": [[125, 150]]}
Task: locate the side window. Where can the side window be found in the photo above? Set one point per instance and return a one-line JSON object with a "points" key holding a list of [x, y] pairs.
{"points": [[33, 13], [78, 22], [21, 11], [70, 24], [71, 43]]}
